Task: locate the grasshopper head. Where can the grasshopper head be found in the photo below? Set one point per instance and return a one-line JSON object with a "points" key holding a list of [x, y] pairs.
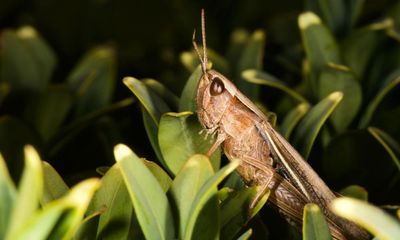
{"points": [[214, 92]]}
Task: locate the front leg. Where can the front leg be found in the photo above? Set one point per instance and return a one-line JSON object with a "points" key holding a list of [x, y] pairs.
{"points": [[221, 136]]}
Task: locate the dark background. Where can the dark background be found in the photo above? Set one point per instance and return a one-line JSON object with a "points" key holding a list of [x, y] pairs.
{"points": [[149, 37]]}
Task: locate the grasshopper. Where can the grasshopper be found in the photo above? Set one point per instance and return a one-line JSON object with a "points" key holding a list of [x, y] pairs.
{"points": [[245, 133]]}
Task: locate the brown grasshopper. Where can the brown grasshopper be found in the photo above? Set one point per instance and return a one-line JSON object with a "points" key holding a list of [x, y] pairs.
{"points": [[245, 133]]}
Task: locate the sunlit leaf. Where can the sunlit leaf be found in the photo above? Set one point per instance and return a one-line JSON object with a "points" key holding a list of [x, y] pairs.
{"points": [[151, 204], [185, 188], [376, 221], [54, 186], [314, 224], [311, 124]]}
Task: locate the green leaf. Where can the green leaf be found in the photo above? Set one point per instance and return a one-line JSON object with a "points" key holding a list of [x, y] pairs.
{"points": [[263, 78], [151, 128], [358, 48], [30, 190], [88, 227], [151, 204], [207, 192], [314, 223], [48, 110], [373, 105], [376, 221], [162, 177], [355, 191], [93, 79], [187, 101], [151, 102], [153, 107], [390, 145], [114, 222], [8, 194], [319, 45], [309, 127], [186, 186], [292, 119], [339, 78], [26, 61], [169, 97], [54, 186], [179, 139], [236, 212], [60, 219], [250, 58], [246, 235]]}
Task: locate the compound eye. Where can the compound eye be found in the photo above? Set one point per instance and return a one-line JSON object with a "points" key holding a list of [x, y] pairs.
{"points": [[217, 87]]}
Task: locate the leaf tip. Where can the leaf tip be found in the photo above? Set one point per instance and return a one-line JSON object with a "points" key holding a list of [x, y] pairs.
{"points": [[121, 151], [307, 19], [31, 155], [336, 96], [27, 32]]}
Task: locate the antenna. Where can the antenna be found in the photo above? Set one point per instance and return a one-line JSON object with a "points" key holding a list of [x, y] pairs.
{"points": [[203, 59]]}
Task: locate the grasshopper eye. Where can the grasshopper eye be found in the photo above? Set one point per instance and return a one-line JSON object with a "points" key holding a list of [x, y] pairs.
{"points": [[217, 87]]}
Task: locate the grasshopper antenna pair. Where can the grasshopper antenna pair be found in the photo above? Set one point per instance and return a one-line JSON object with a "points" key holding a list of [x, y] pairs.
{"points": [[203, 59]]}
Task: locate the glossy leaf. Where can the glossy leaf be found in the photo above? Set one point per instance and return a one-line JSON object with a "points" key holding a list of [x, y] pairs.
{"points": [[250, 58], [27, 62], [373, 105], [262, 78], [88, 227], [60, 219], [376, 221], [390, 145], [207, 191], [152, 109], [246, 235], [54, 186], [187, 102], [314, 223], [185, 188], [162, 177], [114, 222], [8, 194], [319, 45], [311, 124], [29, 191], [339, 78], [292, 119], [169, 97], [360, 45], [235, 212], [179, 139], [151, 204], [93, 79], [151, 102]]}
